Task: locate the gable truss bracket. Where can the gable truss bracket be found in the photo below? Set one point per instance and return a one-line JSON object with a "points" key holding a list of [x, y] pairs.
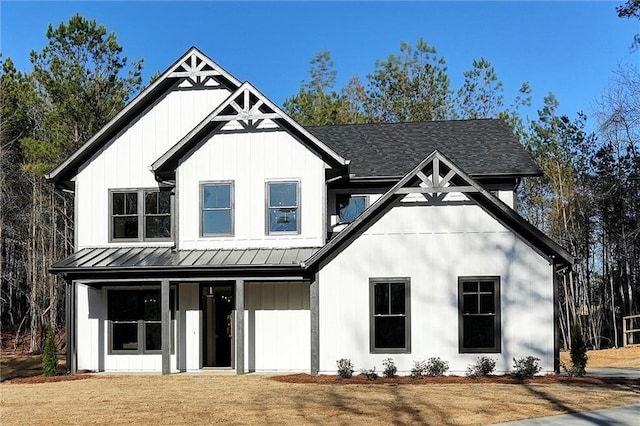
{"points": [[247, 110], [436, 187]]}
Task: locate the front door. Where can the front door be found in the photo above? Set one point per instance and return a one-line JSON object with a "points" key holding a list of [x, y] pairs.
{"points": [[218, 308]]}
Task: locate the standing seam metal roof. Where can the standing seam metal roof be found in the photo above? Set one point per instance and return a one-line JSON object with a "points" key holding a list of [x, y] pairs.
{"points": [[150, 257]]}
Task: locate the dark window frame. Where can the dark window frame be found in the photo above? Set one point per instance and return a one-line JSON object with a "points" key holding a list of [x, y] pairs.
{"points": [[231, 208], [268, 207], [497, 315], [407, 314], [140, 214], [141, 332]]}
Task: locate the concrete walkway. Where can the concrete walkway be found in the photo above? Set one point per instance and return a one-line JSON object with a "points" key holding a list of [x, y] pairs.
{"points": [[626, 415]]}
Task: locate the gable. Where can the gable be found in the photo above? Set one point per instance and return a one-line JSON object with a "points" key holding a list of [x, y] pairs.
{"points": [[245, 110], [434, 181], [192, 71]]}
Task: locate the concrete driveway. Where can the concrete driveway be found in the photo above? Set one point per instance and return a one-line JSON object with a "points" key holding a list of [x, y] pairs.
{"points": [[626, 415]]}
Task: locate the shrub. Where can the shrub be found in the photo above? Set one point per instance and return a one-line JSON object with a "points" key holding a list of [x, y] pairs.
{"points": [[371, 374], [345, 368], [436, 367], [525, 368], [578, 350], [50, 354], [483, 367], [419, 368], [390, 368]]}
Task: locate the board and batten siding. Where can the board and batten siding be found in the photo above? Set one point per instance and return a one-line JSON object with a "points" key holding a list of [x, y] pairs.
{"points": [[251, 160], [93, 337], [124, 162], [277, 327], [90, 315], [433, 246], [190, 327]]}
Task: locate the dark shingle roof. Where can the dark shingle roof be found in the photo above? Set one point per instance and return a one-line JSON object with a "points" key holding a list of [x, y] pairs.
{"points": [[481, 148]]}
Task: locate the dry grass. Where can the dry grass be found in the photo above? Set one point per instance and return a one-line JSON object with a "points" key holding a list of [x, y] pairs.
{"points": [[255, 399], [628, 357]]}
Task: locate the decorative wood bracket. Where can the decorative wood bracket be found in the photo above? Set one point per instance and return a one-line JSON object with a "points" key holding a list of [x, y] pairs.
{"points": [[433, 185], [197, 71], [247, 109]]}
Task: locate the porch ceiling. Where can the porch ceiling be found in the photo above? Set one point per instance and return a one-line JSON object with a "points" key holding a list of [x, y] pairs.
{"points": [[170, 261]]}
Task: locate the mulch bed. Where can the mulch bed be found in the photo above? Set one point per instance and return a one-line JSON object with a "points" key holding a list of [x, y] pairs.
{"points": [[361, 379], [51, 379]]}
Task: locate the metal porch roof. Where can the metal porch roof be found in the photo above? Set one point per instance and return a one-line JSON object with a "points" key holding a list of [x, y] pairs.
{"points": [[167, 259]]}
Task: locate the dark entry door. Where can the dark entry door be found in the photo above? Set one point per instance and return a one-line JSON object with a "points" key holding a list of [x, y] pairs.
{"points": [[218, 305]]}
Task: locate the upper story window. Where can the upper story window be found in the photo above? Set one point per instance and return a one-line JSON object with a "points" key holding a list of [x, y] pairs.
{"points": [[390, 319], [283, 207], [479, 311], [350, 207], [217, 209], [140, 215]]}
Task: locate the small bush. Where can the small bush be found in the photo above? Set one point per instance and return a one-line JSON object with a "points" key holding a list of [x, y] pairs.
{"points": [[371, 374], [525, 368], [50, 354], [345, 368], [436, 367], [578, 351], [484, 366], [419, 369], [390, 368]]}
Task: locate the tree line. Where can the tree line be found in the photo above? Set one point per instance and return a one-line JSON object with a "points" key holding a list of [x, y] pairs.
{"points": [[588, 198]]}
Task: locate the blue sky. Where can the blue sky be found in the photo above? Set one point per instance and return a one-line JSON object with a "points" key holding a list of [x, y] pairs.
{"points": [[569, 48]]}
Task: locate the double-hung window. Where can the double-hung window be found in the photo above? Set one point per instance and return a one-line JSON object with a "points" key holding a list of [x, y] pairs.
{"points": [[140, 215], [216, 209], [479, 314], [135, 320], [390, 320], [283, 206]]}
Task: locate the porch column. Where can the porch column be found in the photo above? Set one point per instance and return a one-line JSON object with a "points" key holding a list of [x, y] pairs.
{"points": [[70, 325], [165, 326], [314, 310], [239, 337]]}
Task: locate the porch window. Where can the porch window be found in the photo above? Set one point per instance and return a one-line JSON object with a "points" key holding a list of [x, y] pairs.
{"points": [[140, 215], [216, 209], [349, 207], [479, 314], [390, 320], [135, 321], [283, 207]]}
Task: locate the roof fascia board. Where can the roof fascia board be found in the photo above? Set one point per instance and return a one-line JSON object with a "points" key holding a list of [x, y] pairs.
{"points": [[175, 272], [95, 141], [491, 204], [209, 121]]}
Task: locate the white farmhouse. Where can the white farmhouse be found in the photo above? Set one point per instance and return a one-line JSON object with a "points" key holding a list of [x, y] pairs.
{"points": [[213, 231]]}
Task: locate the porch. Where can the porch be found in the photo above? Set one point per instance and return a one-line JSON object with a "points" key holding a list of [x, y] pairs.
{"points": [[180, 315]]}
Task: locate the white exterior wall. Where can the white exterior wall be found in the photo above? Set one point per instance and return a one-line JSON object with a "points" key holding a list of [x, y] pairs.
{"points": [[250, 160], [277, 327], [124, 162], [93, 337], [190, 334], [90, 315], [433, 246]]}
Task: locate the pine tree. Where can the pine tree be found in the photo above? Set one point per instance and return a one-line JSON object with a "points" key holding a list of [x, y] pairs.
{"points": [[578, 350], [50, 354]]}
